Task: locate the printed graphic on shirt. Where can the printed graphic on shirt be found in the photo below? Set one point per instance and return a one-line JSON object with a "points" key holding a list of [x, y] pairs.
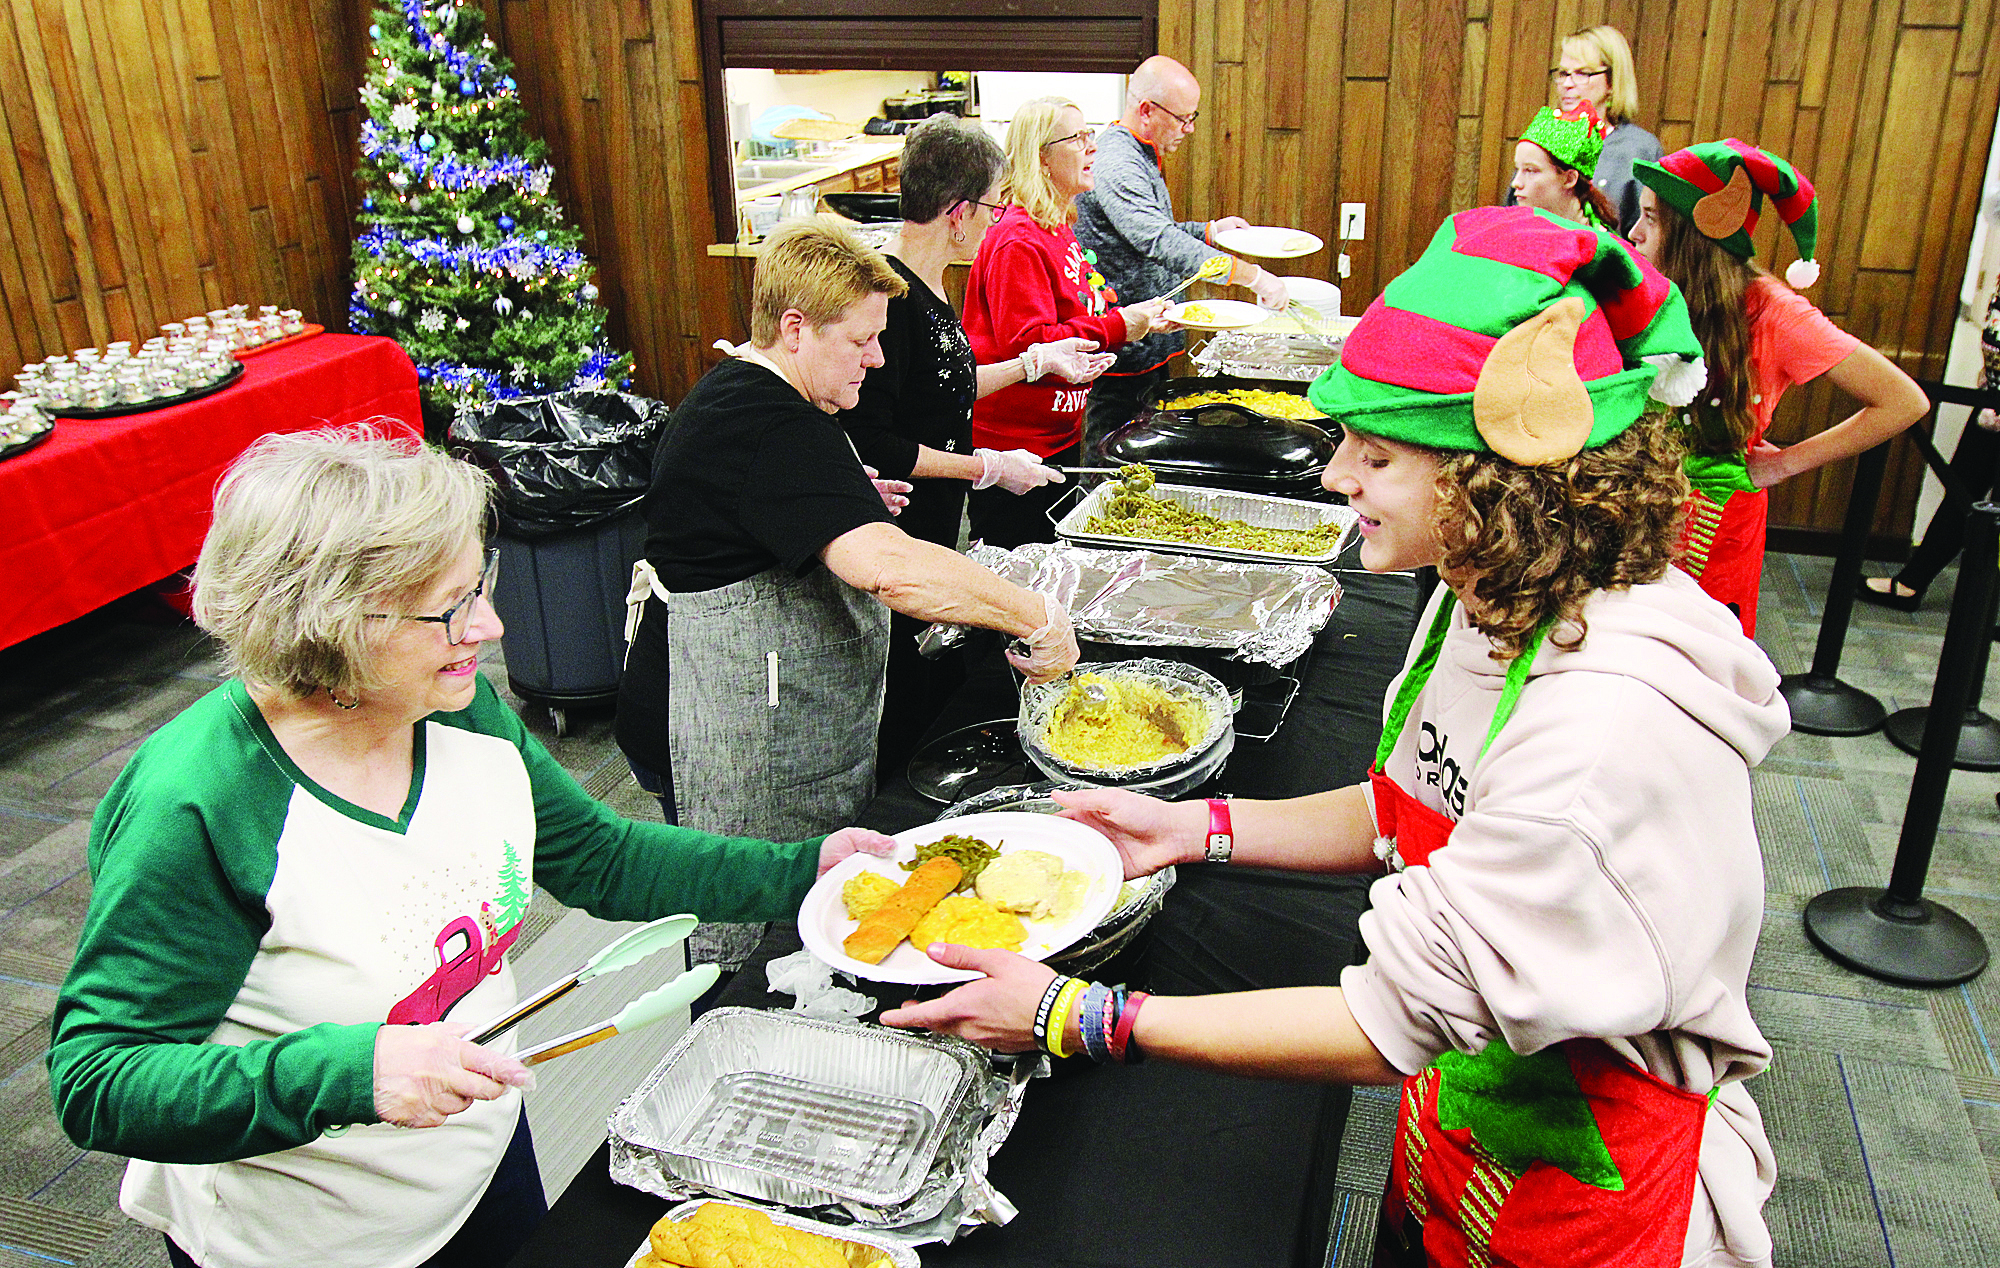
{"points": [[1436, 769], [467, 949], [1087, 282]]}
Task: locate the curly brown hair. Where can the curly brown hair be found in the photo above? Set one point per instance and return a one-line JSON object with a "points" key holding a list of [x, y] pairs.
{"points": [[1539, 540]]}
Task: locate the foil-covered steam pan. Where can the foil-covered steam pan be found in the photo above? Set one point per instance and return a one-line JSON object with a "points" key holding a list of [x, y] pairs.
{"points": [[1266, 614], [857, 1123], [898, 1255], [1298, 357], [1258, 510]]}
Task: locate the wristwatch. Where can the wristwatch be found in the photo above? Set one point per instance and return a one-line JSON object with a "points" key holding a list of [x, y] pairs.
{"points": [[1221, 836]]}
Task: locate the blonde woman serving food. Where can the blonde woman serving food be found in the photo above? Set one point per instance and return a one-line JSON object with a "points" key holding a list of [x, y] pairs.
{"points": [[1571, 888], [1031, 284]]}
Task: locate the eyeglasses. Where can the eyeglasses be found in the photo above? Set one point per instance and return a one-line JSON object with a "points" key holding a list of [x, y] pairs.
{"points": [[1079, 140], [1185, 120], [457, 618], [1561, 76], [993, 210]]}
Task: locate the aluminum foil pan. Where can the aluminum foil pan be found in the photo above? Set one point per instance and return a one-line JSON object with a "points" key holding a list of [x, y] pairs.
{"points": [[1257, 612], [1256, 509], [898, 1255], [1137, 904], [1295, 356], [858, 1124], [1205, 754]]}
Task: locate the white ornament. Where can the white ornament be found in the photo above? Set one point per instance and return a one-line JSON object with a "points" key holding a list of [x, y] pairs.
{"points": [[465, 224], [461, 324], [589, 292], [432, 321], [525, 314], [404, 118], [503, 305], [400, 180], [395, 308]]}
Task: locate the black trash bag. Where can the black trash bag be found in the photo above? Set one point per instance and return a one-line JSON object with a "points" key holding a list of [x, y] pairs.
{"points": [[565, 461]]}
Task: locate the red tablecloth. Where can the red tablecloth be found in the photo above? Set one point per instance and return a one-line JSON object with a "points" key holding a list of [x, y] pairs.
{"points": [[108, 505]]}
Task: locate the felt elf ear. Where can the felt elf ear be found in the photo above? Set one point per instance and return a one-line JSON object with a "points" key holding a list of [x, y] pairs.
{"points": [[1723, 212], [1529, 403]]}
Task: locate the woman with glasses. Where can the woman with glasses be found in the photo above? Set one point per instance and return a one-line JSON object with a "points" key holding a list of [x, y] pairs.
{"points": [[1596, 67], [914, 420], [1031, 284], [305, 887]]}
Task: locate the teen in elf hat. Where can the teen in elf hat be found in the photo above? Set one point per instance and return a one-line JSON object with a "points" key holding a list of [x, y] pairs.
{"points": [[1554, 161], [1760, 337], [1558, 951]]}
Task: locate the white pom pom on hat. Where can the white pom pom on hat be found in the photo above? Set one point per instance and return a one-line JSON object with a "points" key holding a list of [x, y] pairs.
{"points": [[1800, 274]]}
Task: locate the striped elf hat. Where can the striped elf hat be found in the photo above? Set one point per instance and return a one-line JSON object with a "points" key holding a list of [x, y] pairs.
{"points": [[1721, 184], [1519, 333]]}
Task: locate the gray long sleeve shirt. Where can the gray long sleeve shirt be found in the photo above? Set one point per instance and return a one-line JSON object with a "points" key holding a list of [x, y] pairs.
{"points": [[1127, 221]]}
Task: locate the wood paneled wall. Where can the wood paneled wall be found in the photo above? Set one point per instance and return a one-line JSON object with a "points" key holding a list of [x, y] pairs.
{"points": [[173, 155]]}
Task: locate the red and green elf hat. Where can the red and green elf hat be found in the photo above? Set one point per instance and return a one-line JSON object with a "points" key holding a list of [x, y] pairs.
{"points": [[1517, 332], [1720, 185], [1573, 138]]}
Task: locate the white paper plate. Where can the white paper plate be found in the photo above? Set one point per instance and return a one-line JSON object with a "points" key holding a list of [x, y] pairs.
{"points": [[1269, 242], [1224, 314], [824, 925]]}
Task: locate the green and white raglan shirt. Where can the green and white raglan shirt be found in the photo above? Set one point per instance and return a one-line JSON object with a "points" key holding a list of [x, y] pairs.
{"points": [[249, 931]]}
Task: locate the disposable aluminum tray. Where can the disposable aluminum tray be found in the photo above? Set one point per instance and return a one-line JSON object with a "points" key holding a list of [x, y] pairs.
{"points": [[804, 1113], [1255, 509], [897, 1255]]}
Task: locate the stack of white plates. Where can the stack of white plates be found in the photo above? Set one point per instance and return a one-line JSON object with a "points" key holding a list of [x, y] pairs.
{"points": [[1321, 297]]}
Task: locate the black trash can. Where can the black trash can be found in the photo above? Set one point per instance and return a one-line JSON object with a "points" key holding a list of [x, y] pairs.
{"points": [[571, 470]]}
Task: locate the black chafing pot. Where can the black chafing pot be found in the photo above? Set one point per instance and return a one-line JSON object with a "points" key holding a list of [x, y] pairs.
{"points": [[1224, 446]]}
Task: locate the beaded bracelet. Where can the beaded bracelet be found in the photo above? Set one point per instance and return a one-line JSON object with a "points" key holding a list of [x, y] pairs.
{"points": [[1122, 1042], [1058, 1028], [1047, 1004]]}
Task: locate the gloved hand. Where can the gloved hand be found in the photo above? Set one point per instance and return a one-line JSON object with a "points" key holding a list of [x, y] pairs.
{"points": [[1015, 470], [1225, 224], [1051, 649], [1144, 318], [1075, 359], [892, 492], [1270, 289]]}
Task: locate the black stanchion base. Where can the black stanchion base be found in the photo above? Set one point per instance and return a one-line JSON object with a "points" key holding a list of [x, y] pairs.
{"points": [[1827, 706], [1978, 737], [1938, 947]]}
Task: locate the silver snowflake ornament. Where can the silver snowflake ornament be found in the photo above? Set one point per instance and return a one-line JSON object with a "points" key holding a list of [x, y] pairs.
{"points": [[432, 320]]}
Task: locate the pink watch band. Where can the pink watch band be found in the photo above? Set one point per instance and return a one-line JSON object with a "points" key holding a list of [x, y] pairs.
{"points": [[1221, 834]]}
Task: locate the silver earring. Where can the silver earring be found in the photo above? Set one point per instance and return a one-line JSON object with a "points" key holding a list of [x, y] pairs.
{"points": [[342, 703]]}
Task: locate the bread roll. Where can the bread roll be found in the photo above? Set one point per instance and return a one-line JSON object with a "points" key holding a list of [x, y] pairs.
{"points": [[890, 923]]}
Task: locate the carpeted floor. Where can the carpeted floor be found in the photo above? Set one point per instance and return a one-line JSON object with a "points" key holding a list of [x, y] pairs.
{"points": [[1883, 1102]]}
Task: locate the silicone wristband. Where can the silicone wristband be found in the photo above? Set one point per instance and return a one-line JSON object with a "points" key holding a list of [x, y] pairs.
{"points": [[1059, 1016], [1221, 833], [1042, 1010], [1121, 1038], [1090, 1021]]}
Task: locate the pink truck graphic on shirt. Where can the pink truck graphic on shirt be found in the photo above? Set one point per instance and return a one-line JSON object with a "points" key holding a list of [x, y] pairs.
{"points": [[467, 950]]}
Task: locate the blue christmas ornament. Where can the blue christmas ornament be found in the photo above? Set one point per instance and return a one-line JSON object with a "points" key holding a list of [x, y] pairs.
{"points": [[374, 32], [424, 373], [506, 223], [465, 88], [368, 204], [541, 235], [508, 83]]}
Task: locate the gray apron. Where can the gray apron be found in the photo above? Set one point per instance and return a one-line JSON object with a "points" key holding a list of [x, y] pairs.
{"points": [[774, 698]]}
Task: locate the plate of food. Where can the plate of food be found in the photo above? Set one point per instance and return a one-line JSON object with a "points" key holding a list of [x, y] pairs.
{"points": [[1217, 314], [1269, 242], [1026, 882]]}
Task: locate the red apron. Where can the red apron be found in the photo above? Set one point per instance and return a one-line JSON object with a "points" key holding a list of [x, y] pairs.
{"points": [[1568, 1156]]}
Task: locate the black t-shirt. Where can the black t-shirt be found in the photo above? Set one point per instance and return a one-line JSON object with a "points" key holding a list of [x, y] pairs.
{"points": [[921, 394], [749, 477]]}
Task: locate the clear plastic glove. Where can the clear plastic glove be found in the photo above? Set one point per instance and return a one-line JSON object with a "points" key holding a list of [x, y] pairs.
{"points": [[1225, 224], [839, 845], [1270, 290], [1074, 359], [1051, 649], [1015, 470], [894, 493], [425, 1074], [1144, 318]]}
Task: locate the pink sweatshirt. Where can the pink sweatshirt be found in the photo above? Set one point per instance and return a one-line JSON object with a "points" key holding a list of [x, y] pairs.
{"points": [[1604, 879]]}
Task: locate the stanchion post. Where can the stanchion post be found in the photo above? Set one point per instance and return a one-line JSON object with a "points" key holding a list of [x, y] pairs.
{"points": [[1897, 934], [1821, 703]]}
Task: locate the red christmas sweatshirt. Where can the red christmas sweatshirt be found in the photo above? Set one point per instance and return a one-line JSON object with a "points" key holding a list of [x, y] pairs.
{"points": [[1032, 285]]}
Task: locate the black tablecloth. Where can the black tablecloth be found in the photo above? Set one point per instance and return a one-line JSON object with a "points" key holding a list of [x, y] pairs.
{"points": [[1155, 1165]]}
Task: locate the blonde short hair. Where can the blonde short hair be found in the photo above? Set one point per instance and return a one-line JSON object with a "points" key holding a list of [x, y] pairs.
{"points": [[1607, 44], [817, 266], [1036, 123], [315, 531]]}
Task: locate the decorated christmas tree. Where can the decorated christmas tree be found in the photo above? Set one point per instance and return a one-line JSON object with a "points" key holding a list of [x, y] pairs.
{"points": [[464, 257]]}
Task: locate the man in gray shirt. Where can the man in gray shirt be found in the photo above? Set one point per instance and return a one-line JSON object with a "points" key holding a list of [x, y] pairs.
{"points": [[1126, 221]]}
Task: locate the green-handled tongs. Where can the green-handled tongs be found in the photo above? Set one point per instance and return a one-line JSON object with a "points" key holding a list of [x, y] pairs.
{"points": [[625, 952], [643, 1011]]}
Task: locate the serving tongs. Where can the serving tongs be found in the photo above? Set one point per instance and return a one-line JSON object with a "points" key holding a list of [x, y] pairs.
{"points": [[644, 1011], [623, 953]]}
